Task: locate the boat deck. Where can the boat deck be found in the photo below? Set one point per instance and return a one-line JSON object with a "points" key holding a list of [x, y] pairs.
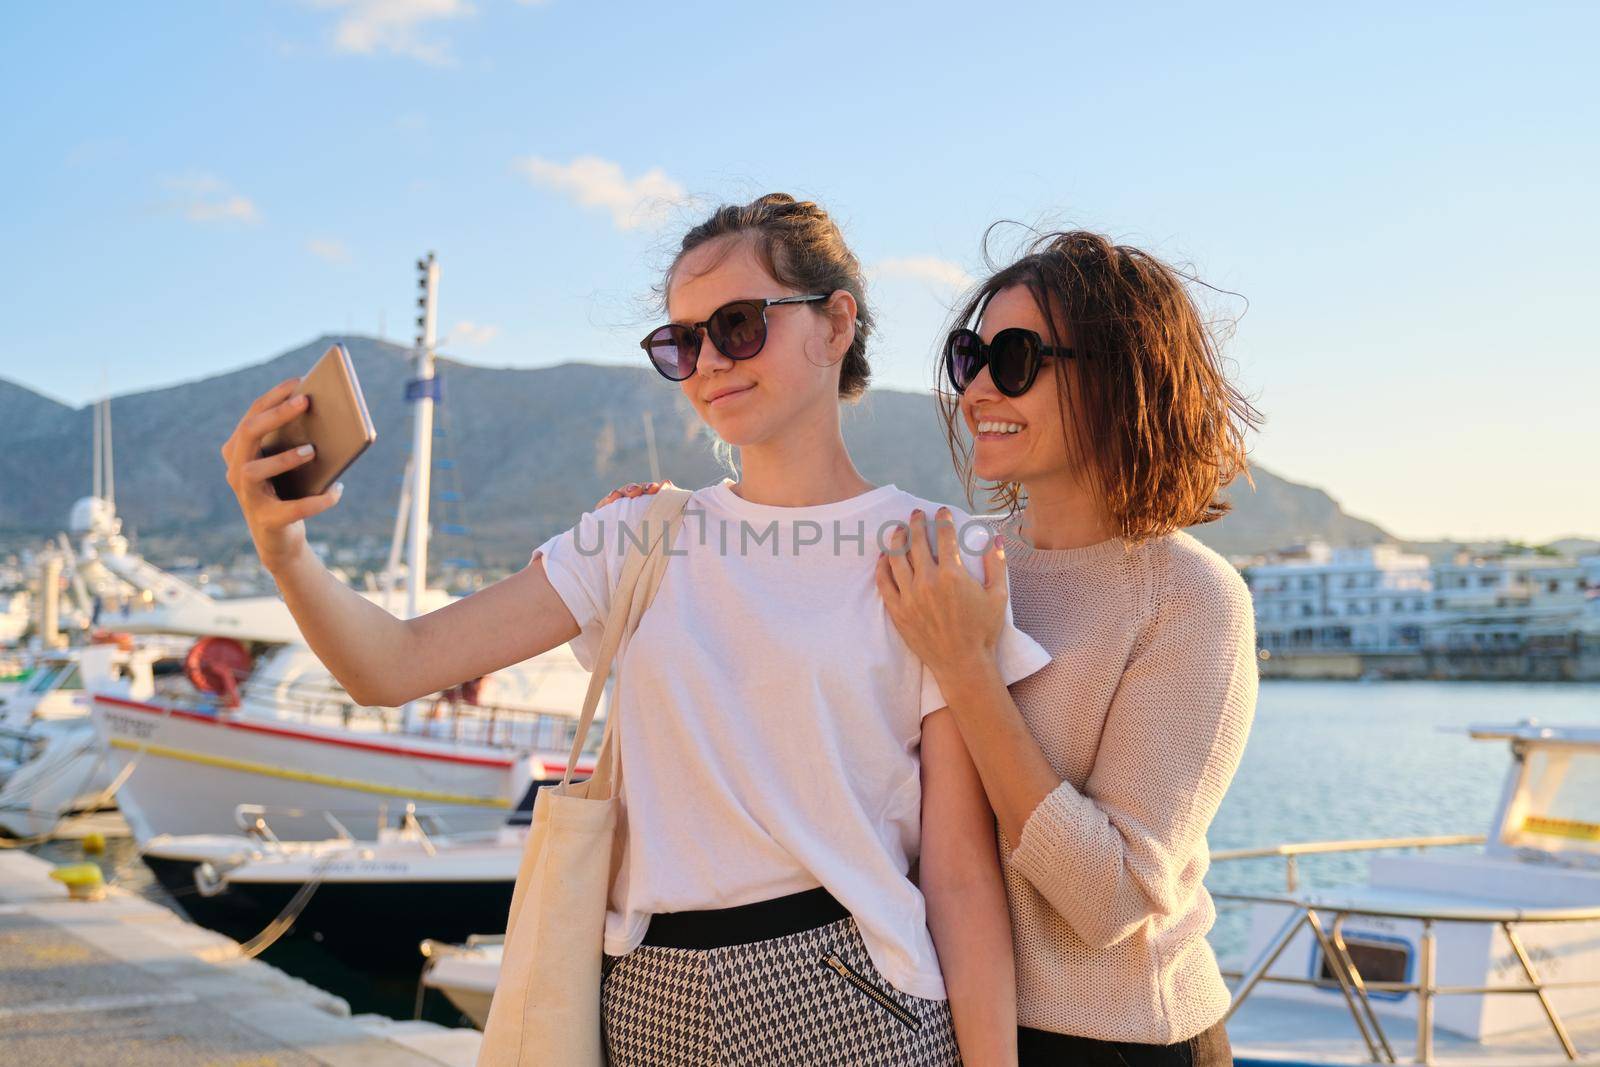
{"points": [[126, 981], [1287, 1033]]}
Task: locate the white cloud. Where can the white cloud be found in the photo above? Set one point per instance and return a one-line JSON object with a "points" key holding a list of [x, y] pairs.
{"points": [[399, 27], [207, 198], [327, 248], [940, 273], [595, 182], [467, 332]]}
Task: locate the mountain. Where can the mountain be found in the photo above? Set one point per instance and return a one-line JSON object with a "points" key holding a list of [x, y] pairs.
{"points": [[1279, 512], [1575, 546], [527, 450]]}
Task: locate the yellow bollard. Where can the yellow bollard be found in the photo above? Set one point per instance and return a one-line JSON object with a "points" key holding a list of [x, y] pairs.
{"points": [[83, 880], [94, 843]]}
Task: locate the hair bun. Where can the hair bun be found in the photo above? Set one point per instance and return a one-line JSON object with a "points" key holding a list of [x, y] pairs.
{"points": [[802, 248], [784, 206]]}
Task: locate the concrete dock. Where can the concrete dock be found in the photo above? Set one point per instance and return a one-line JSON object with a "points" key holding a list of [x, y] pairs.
{"points": [[126, 982]]}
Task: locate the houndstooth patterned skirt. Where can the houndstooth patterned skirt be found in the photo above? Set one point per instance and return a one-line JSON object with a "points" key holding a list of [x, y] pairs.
{"points": [[811, 999]]}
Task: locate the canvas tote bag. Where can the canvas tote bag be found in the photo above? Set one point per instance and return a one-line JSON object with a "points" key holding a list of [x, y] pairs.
{"points": [[546, 1007]]}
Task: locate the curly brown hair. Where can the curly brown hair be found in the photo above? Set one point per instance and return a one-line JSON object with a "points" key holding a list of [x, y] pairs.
{"points": [[1158, 425], [802, 248]]}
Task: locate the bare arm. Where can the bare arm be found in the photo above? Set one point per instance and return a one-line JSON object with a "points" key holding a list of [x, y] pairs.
{"points": [[382, 660], [967, 911], [1015, 774], [379, 659]]}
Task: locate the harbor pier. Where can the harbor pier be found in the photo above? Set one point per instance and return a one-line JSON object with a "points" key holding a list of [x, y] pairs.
{"points": [[124, 980]]}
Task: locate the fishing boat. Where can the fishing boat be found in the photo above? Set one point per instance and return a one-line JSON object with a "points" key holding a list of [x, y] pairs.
{"points": [[1442, 956], [274, 729]]}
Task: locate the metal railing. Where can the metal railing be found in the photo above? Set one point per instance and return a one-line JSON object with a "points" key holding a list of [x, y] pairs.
{"points": [[1307, 912], [437, 717], [1291, 852], [253, 819]]}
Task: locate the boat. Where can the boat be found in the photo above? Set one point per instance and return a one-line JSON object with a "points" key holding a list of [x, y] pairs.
{"points": [[1441, 956], [369, 901], [51, 762], [289, 738], [15, 616], [465, 973]]}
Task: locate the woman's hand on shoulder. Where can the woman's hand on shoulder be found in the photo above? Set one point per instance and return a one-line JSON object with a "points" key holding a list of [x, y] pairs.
{"points": [[946, 616], [632, 489]]}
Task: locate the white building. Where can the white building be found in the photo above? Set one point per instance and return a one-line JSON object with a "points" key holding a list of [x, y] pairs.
{"points": [[1509, 616], [1317, 598], [1591, 595], [1509, 605]]}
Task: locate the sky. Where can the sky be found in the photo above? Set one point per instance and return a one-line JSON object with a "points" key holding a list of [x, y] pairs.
{"points": [[1394, 203]]}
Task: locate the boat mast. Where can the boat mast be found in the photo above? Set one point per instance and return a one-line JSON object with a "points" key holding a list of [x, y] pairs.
{"points": [[98, 485], [110, 469], [397, 540], [423, 391]]}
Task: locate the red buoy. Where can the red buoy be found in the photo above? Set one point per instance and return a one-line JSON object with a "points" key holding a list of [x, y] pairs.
{"points": [[218, 665]]}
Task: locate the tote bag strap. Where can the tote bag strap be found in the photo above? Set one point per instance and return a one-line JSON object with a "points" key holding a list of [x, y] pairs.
{"points": [[641, 575]]}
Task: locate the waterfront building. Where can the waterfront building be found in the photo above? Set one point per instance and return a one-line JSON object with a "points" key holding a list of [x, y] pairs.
{"points": [[1508, 616], [1314, 597], [1355, 612]]}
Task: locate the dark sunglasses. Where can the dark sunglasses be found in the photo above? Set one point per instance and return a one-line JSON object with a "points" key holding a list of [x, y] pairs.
{"points": [[738, 329], [1013, 359]]}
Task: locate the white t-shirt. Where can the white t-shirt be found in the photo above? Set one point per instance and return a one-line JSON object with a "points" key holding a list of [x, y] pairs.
{"points": [[769, 714]]}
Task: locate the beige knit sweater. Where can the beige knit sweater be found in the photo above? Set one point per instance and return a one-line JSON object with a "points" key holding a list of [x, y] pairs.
{"points": [[1143, 713]]}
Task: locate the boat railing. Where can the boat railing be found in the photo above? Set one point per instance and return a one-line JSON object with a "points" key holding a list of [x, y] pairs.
{"points": [[1308, 910], [255, 821], [1292, 852], [442, 716], [411, 827]]}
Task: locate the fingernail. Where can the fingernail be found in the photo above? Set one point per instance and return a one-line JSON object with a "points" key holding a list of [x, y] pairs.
{"points": [[305, 450], [338, 490]]}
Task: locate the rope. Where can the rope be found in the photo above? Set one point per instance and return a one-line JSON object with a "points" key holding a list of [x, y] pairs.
{"points": [[286, 918]]}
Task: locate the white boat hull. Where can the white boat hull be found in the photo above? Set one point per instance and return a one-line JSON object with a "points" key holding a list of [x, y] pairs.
{"points": [[467, 977], [190, 771], [69, 773]]}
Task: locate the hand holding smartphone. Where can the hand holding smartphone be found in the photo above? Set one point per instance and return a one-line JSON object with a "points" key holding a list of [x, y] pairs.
{"points": [[335, 423]]}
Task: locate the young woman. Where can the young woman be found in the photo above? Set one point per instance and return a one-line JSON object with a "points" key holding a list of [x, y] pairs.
{"points": [[787, 760], [1093, 389]]}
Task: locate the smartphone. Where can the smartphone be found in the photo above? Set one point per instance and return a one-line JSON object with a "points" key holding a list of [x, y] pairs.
{"points": [[335, 423]]}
